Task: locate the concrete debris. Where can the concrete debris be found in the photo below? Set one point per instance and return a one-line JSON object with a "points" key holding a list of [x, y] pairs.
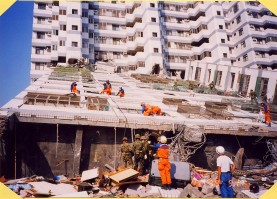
{"points": [[135, 189], [82, 194], [124, 175], [90, 174]]}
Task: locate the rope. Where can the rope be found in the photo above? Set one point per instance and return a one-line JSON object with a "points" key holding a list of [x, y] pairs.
{"points": [[240, 146]]}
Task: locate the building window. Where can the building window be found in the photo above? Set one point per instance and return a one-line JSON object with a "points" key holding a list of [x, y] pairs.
{"points": [[225, 55], [74, 44], [63, 27], [74, 11], [223, 41], [238, 19], [154, 34], [156, 50], [153, 19], [152, 5], [74, 27], [220, 26], [55, 17], [241, 32], [115, 27], [90, 35], [84, 28], [55, 32], [54, 47], [40, 35], [39, 51], [41, 6], [90, 20], [40, 20], [84, 14], [245, 58], [243, 44], [62, 43], [62, 12], [236, 8], [218, 12]]}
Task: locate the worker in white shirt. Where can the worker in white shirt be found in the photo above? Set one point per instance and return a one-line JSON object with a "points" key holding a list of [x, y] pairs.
{"points": [[225, 168]]}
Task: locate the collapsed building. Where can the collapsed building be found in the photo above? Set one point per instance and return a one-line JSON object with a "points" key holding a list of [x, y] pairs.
{"points": [[49, 131]]}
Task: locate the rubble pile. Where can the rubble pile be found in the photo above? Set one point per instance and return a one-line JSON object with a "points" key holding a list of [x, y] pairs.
{"points": [[127, 183]]}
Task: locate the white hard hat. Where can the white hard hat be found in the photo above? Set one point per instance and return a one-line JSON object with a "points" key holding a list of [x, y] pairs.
{"points": [[220, 150], [163, 139]]}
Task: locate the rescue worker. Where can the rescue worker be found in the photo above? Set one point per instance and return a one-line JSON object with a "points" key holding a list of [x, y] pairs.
{"points": [[225, 169], [126, 153], [266, 112], [121, 92], [211, 85], [146, 109], [138, 154], [253, 97], [73, 88], [145, 154], [164, 164], [156, 110], [107, 88]]}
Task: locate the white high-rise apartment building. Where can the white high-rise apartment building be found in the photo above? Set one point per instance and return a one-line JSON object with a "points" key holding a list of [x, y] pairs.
{"points": [[232, 43]]}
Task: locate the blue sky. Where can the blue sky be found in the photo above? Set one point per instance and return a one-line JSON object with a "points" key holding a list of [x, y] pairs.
{"points": [[15, 50]]}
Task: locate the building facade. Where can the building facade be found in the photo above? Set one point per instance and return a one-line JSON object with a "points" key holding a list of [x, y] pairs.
{"points": [[230, 43]]}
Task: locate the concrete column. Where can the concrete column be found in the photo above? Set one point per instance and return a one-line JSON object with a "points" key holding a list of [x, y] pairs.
{"points": [[77, 150], [271, 88], [203, 72], [187, 72], [252, 82], [192, 77], [224, 80]]}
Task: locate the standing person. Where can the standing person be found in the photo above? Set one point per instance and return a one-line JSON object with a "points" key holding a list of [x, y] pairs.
{"points": [[126, 153], [225, 168], [121, 92], [145, 154], [266, 112], [253, 96], [138, 154], [164, 164]]}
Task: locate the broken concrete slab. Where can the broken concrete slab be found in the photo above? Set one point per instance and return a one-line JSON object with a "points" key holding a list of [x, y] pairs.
{"points": [[124, 175], [82, 194], [45, 188], [135, 189], [206, 189], [90, 174]]}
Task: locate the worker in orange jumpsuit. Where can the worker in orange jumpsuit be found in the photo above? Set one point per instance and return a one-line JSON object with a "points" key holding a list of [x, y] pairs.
{"points": [[156, 110], [107, 88], [121, 92], [146, 109], [164, 164], [73, 87], [266, 112]]}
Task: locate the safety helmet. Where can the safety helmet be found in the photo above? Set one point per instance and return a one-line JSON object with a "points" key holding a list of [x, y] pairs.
{"points": [[220, 150], [143, 137], [163, 139], [125, 139], [137, 136]]}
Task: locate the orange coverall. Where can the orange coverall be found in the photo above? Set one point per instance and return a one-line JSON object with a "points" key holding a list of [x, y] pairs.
{"points": [[74, 89], [266, 111], [164, 164], [147, 110], [107, 89], [156, 110]]}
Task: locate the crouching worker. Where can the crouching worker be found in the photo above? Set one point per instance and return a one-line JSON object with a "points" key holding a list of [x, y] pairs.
{"points": [[164, 164], [156, 110], [73, 88], [121, 92], [146, 109], [225, 168], [107, 88]]}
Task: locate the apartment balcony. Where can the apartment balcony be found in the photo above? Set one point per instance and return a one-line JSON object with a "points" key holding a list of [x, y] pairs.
{"points": [[179, 38], [139, 41], [47, 26], [41, 42], [138, 13], [181, 52], [54, 55], [85, 20], [84, 35], [266, 60], [113, 20], [112, 6], [172, 24], [138, 27], [42, 13], [85, 51], [41, 57], [111, 33], [109, 47], [178, 66]]}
